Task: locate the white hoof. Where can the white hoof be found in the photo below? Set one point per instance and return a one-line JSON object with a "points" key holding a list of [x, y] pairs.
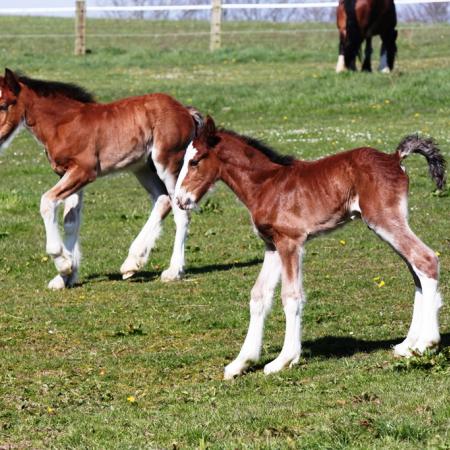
{"points": [[234, 369], [172, 275], [385, 70], [57, 283], [280, 363], [130, 266], [340, 66], [422, 346], [403, 350]]}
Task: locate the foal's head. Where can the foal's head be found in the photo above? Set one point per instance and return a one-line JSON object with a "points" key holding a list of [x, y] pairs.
{"points": [[200, 167], [11, 109]]}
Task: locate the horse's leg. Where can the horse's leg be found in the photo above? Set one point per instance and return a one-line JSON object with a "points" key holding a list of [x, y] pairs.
{"points": [[260, 304], [144, 242], [293, 300], [181, 218], [72, 220], [388, 51], [72, 181], [340, 66], [423, 264], [367, 66], [176, 268]]}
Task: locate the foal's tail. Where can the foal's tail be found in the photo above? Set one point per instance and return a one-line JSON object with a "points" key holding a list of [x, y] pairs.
{"points": [[199, 120], [429, 149]]}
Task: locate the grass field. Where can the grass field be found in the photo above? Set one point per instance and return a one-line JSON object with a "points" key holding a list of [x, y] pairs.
{"points": [[138, 364]]}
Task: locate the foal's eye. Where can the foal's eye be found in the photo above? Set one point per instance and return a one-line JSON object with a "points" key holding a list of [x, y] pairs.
{"points": [[4, 107], [193, 163]]}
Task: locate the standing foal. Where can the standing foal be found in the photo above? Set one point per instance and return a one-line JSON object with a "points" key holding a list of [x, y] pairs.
{"points": [[291, 201], [84, 139]]}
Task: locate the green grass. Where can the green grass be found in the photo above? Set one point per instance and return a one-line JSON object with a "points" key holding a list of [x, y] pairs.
{"points": [[71, 361]]}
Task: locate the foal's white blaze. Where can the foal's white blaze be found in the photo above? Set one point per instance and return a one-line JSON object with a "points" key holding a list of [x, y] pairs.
{"points": [[181, 195]]}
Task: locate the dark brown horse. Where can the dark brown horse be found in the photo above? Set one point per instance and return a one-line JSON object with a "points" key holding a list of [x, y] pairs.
{"points": [[291, 201], [83, 140], [359, 20]]}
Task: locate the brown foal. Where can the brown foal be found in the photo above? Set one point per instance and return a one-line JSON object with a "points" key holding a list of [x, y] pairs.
{"points": [[291, 201], [83, 140]]}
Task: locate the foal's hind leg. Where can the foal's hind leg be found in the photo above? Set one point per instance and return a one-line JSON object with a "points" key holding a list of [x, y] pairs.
{"points": [[72, 220], [260, 304], [142, 245], [423, 263]]}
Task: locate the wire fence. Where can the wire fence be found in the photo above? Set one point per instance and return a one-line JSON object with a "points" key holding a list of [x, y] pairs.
{"points": [[216, 10]]}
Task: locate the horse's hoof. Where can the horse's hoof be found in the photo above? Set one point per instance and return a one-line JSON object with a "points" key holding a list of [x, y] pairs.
{"points": [[172, 275], [63, 264], [57, 283], [403, 350], [385, 70], [130, 266], [127, 275], [233, 370]]}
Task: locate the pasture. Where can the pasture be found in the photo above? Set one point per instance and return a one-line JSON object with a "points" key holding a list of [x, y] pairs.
{"points": [[139, 363]]}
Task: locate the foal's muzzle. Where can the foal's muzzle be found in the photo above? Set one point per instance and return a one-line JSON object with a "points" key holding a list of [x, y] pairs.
{"points": [[185, 200]]}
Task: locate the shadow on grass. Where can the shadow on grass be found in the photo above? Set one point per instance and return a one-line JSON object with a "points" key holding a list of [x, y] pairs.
{"points": [[332, 347], [146, 276], [342, 346]]}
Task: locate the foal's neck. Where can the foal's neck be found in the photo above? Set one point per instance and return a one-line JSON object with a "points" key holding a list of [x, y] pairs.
{"points": [[246, 171], [43, 114]]}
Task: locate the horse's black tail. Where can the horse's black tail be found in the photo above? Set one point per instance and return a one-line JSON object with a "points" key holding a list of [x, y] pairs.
{"points": [[198, 119], [428, 148], [353, 40]]}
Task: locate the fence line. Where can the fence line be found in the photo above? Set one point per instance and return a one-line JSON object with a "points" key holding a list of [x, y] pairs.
{"points": [[216, 6], [205, 7]]}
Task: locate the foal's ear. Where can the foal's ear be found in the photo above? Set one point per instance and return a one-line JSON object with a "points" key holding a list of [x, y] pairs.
{"points": [[11, 82], [210, 126], [210, 133]]}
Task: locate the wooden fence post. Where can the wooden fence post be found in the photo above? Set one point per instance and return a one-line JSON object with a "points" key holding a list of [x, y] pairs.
{"points": [[80, 27], [216, 18]]}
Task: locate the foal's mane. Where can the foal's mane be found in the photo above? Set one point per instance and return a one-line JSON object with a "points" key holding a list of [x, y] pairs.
{"points": [[47, 88], [273, 155]]}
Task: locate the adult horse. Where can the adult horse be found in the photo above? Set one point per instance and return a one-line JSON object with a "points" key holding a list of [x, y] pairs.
{"points": [[291, 201], [83, 140], [359, 20]]}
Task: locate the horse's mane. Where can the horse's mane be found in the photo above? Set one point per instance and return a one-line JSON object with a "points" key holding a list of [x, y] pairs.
{"points": [[274, 156], [47, 88]]}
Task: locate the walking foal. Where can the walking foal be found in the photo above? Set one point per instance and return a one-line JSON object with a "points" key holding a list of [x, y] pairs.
{"points": [[291, 201], [83, 140]]}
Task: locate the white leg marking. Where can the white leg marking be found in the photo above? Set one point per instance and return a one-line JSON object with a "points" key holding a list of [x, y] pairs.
{"points": [[260, 304], [176, 268], [404, 348], [290, 353], [55, 247], [340, 66], [429, 336], [144, 242], [191, 151]]}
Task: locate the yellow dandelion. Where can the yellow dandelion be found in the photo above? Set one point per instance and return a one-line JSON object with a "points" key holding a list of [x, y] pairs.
{"points": [[44, 259], [416, 115], [131, 399], [376, 278], [381, 284], [437, 253], [50, 410], [342, 242]]}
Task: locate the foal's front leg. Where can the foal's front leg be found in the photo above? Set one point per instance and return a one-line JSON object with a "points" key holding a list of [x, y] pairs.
{"points": [[293, 301], [66, 259], [72, 220], [260, 304]]}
